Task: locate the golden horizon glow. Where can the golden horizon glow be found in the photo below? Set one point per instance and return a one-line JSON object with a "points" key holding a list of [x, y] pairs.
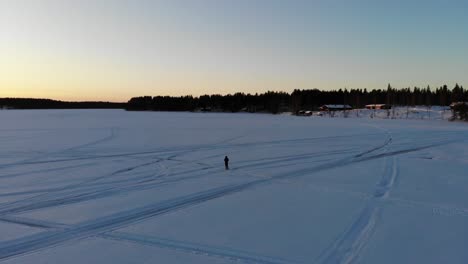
{"points": [[113, 51]]}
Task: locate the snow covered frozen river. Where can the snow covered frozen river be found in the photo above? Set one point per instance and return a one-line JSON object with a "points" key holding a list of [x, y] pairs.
{"points": [[109, 186]]}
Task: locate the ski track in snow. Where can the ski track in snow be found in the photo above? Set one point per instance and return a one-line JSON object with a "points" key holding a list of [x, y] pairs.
{"points": [[345, 249]]}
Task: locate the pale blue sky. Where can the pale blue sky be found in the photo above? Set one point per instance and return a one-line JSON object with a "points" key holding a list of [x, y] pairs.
{"points": [[113, 50]]}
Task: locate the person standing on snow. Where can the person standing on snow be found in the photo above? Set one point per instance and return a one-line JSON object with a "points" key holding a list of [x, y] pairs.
{"points": [[226, 162]]}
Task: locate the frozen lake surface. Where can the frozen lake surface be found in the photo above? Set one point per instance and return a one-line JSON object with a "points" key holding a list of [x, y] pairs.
{"points": [[109, 186]]}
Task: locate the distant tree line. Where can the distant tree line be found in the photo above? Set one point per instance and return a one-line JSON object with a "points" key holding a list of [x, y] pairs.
{"points": [[275, 102], [272, 102], [29, 103]]}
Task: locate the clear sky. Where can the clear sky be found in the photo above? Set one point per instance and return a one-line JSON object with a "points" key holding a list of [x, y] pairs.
{"points": [[116, 49]]}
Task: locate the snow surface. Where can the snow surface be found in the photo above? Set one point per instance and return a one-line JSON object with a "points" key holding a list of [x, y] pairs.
{"points": [[397, 112], [109, 186]]}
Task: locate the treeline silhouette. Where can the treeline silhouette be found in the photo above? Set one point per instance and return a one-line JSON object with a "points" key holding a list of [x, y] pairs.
{"points": [[271, 102], [275, 102], [30, 103]]}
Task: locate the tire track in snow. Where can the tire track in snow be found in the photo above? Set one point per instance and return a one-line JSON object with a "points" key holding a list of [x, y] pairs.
{"points": [[48, 191], [300, 140], [90, 228], [283, 161], [85, 192], [82, 158], [34, 160], [28, 173], [359, 158], [115, 221], [112, 222], [407, 150], [70, 196], [348, 247], [32, 222], [184, 246], [107, 138], [72, 193], [437, 209], [194, 248]]}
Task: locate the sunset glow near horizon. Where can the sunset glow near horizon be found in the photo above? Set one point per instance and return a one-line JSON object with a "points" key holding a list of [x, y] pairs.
{"points": [[112, 50]]}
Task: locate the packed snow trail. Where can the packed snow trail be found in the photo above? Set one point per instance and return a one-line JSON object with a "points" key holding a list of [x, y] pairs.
{"points": [[50, 238], [347, 249], [176, 171]]}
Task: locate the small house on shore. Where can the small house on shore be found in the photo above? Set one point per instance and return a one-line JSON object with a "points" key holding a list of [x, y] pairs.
{"points": [[335, 107], [457, 104], [378, 106], [304, 113]]}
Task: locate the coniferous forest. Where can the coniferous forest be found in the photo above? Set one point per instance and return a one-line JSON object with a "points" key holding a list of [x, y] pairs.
{"points": [[269, 102], [276, 102], [32, 103]]}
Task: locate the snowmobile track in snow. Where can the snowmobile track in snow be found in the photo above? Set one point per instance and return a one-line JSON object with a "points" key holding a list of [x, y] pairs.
{"points": [[115, 221], [112, 222], [345, 249], [188, 247], [348, 248]]}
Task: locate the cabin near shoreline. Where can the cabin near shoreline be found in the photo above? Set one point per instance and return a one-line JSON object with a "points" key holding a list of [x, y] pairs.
{"points": [[378, 106], [335, 107]]}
